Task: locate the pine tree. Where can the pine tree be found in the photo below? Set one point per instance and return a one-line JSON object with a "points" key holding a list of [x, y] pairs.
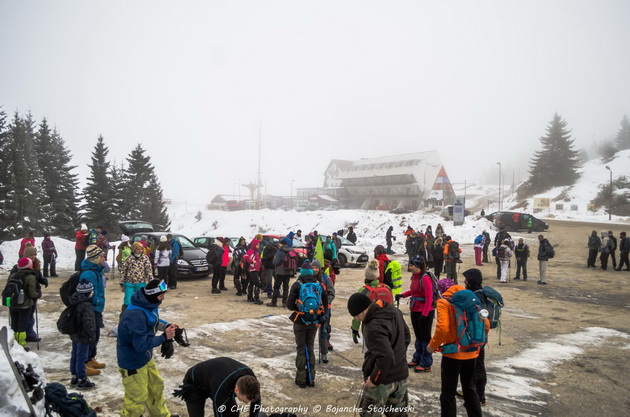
{"points": [[59, 183], [116, 177], [557, 163], [98, 193], [142, 190], [622, 140], [4, 175]]}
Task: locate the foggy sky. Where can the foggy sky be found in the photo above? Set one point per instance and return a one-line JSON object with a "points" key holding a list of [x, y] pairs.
{"points": [[196, 82]]}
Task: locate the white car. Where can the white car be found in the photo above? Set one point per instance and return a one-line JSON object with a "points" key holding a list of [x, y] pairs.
{"points": [[351, 254]]}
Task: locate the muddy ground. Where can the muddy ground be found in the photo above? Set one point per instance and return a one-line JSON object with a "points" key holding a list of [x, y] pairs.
{"points": [[565, 347]]}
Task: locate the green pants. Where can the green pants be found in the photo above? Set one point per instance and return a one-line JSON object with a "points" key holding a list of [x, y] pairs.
{"points": [[143, 389], [389, 399]]}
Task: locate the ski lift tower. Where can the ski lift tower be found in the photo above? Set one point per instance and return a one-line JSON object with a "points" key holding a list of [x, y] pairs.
{"points": [[252, 189]]}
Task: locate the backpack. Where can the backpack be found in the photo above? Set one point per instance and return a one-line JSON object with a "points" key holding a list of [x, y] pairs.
{"points": [[393, 274], [380, 293], [67, 322], [66, 404], [436, 291], [453, 251], [180, 249], [86, 240], [92, 236], [471, 332], [69, 287], [267, 256], [13, 293], [551, 252], [289, 260], [309, 303], [492, 301], [215, 253], [501, 253], [478, 240]]}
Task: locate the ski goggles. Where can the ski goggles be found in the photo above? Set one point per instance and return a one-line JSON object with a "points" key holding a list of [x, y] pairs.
{"points": [[162, 287]]}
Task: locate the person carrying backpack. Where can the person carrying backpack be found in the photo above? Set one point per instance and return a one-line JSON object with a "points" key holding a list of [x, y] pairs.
{"points": [[285, 262], [253, 261], [452, 253], [80, 246], [545, 251], [309, 302], [624, 249], [521, 252], [50, 255], [459, 365], [594, 244], [268, 254], [504, 253], [422, 306], [374, 290], [85, 333], [240, 272], [19, 295], [215, 261], [325, 329], [480, 242], [381, 255]]}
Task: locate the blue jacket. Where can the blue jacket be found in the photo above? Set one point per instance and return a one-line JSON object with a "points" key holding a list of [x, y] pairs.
{"points": [[94, 273], [175, 245], [136, 332]]}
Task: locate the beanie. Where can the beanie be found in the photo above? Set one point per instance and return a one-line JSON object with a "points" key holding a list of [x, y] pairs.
{"points": [[417, 261], [357, 303], [30, 251], [316, 264], [153, 290], [473, 278], [83, 226], [25, 263], [371, 270], [124, 238], [94, 253], [163, 238], [379, 250], [85, 287], [258, 236], [444, 284], [306, 269]]}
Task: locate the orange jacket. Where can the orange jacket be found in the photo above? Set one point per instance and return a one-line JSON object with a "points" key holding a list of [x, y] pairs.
{"points": [[446, 327], [446, 249]]}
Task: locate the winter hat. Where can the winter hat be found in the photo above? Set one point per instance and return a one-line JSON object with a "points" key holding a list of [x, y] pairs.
{"points": [[143, 237], [357, 303], [371, 270], [94, 253], [163, 238], [379, 250], [306, 269], [137, 245], [253, 243], [85, 287], [258, 236], [316, 264], [30, 251], [153, 290], [444, 284], [46, 234], [473, 278], [83, 226], [417, 261], [124, 238], [25, 263]]}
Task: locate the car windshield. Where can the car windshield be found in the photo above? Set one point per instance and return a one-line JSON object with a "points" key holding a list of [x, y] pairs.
{"points": [[185, 242], [345, 242], [298, 244]]}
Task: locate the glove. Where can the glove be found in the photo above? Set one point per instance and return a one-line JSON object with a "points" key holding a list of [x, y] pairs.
{"points": [[398, 297], [181, 338], [167, 349], [45, 282], [355, 336]]}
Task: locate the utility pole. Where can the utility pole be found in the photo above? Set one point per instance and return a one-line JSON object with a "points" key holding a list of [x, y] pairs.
{"points": [[499, 164], [610, 194]]}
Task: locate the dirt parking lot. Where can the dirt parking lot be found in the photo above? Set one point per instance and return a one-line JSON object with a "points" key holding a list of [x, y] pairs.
{"points": [[565, 347]]}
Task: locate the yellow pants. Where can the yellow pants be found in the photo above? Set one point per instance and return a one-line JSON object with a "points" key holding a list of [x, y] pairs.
{"points": [[144, 389]]}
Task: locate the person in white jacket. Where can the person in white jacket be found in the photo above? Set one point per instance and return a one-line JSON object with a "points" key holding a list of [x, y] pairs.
{"points": [[504, 253], [162, 259]]}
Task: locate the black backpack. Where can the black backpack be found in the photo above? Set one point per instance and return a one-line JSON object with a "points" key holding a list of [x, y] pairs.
{"points": [[67, 322], [214, 255], [11, 293], [66, 404], [453, 251], [69, 287]]}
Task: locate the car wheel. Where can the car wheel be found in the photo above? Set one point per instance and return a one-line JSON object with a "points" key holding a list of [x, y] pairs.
{"points": [[342, 260]]}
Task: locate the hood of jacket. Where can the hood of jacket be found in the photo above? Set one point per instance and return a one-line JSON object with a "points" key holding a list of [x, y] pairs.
{"points": [[139, 300], [78, 298], [452, 290]]}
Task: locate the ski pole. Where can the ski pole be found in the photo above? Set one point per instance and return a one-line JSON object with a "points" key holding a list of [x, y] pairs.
{"points": [[37, 326], [308, 365]]}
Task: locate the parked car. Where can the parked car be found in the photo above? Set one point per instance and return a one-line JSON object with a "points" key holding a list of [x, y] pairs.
{"points": [[351, 254], [204, 243], [298, 246], [447, 213], [514, 220], [193, 262]]}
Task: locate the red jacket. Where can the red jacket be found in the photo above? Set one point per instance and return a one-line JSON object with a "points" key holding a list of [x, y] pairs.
{"points": [[79, 239], [420, 287]]}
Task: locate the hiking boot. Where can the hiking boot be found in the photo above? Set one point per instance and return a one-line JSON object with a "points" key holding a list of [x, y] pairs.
{"points": [[85, 384], [330, 347], [412, 364], [258, 302], [223, 289], [216, 291], [324, 358], [524, 278], [239, 293], [300, 384], [74, 381], [250, 300], [542, 282], [272, 304], [33, 339], [94, 364], [91, 371], [420, 369], [517, 278]]}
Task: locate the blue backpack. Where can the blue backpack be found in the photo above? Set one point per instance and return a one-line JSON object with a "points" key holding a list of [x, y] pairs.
{"points": [[471, 331], [309, 304]]}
